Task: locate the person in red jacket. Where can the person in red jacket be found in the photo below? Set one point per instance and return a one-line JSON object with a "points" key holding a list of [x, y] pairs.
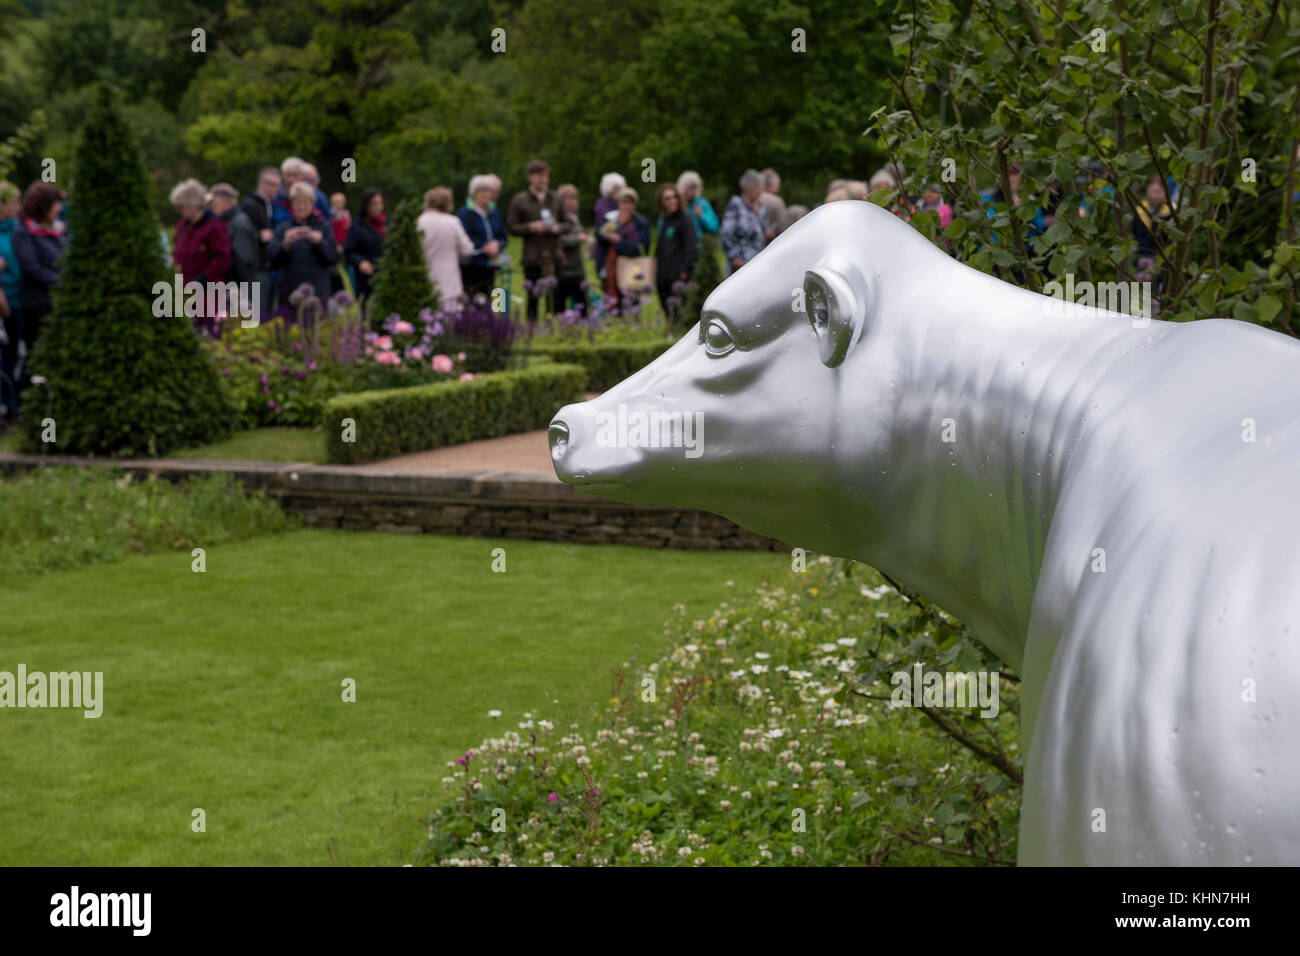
{"points": [[202, 249]]}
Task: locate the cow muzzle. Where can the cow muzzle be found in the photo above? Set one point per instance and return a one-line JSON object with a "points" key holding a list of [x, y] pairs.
{"points": [[580, 460]]}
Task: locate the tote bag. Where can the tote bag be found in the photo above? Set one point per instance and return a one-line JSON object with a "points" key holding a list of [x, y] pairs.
{"points": [[636, 274]]}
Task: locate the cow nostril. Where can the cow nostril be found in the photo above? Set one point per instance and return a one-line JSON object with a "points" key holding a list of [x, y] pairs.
{"points": [[558, 435]]}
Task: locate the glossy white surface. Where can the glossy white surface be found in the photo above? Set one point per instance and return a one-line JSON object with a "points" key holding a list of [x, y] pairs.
{"points": [[1070, 434]]}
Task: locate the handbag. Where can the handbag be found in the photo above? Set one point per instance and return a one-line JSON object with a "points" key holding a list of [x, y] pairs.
{"points": [[636, 274]]}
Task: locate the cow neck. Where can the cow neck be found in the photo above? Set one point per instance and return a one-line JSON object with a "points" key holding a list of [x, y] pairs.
{"points": [[999, 372]]}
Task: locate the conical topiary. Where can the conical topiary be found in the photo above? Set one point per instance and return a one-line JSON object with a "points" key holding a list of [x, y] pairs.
{"points": [[119, 380], [402, 283], [708, 276]]}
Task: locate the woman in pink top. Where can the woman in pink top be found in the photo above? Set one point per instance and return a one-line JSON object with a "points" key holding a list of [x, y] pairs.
{"points": [[445, 241]]}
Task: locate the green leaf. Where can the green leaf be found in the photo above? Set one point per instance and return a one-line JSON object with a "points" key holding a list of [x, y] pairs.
{"points": [[1057, 232], [1267, 307]]}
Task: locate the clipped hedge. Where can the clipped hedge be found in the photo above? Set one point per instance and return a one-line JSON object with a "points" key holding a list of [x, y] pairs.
{"points": [[606, 364], [398, 421]]}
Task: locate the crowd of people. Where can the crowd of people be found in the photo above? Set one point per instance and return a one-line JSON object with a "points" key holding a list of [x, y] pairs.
{"points": [[288, 233]]}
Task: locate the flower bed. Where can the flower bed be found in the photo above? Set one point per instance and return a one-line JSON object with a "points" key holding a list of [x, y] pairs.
{"points": [[744, 742], [282, 373]]}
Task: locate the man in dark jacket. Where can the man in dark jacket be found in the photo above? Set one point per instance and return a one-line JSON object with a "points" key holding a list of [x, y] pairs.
{"points": [[533, 215], [257, 206], [245, 250]]}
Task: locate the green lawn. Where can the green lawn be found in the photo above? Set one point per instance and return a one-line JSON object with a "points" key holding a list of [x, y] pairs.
{"points": [[263, 444], [222, 690], [256, 444]]}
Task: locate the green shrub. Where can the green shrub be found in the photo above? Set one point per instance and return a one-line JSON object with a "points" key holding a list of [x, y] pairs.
{"points": [[709, 273], [748, 741], [120, 381], [402, 283], [606, 364], [424, 417], [61, 518]]}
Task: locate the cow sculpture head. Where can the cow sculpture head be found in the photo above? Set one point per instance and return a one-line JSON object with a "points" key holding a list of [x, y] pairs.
{"points": [[776, 409]]}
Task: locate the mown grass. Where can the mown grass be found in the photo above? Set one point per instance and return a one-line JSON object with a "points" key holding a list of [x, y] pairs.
{"points": [[263, 444], [255, 444], [223, 690]]}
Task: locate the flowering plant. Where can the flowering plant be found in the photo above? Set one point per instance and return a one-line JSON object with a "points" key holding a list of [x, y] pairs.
{"points": [[767, 739]]}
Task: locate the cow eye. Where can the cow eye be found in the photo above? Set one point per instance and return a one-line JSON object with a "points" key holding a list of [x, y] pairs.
{"points": [[718, 340], [819, 312]]}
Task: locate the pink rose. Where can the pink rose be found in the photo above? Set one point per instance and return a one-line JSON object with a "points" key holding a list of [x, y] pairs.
{"points": [[384, 342], [467, 377], [388, 358], [403, 327], [442, 363], [460, 356], [417, 353]]}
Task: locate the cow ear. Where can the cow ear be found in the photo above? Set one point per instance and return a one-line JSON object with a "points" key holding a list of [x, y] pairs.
{"points": [[836, 302]]}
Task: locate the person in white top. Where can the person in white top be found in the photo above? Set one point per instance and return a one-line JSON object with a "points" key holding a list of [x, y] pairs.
{"points": [[444, 241]]}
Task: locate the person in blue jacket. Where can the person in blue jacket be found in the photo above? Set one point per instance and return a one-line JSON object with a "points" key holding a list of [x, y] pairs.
{"points": [[1035, 226], [487, 230], [294, 170], [689, 187], [39, 241], [11, 290]]}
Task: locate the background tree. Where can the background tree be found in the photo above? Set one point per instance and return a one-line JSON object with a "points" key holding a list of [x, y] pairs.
{"points": [[402, 283], [711, 85], [120, 381], [1205, 93], [346, 80], [21, 142]]}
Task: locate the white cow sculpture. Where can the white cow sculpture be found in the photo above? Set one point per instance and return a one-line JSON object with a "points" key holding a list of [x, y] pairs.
{"points": [[1109, 503]]}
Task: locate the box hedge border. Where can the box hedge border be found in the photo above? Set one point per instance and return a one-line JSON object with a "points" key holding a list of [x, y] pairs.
{"points": [[607, 364], [424, 417]]}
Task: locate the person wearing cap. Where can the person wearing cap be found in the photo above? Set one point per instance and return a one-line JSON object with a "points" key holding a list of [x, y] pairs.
{"points": [[534, 215]]}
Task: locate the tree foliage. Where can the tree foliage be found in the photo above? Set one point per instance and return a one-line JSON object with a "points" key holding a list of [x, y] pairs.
{"points": [[713, 85], [351, 83], [1205, 93]]}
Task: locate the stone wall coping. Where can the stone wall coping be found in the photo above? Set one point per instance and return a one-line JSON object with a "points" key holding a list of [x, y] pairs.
{"points": [[373, 480]]}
